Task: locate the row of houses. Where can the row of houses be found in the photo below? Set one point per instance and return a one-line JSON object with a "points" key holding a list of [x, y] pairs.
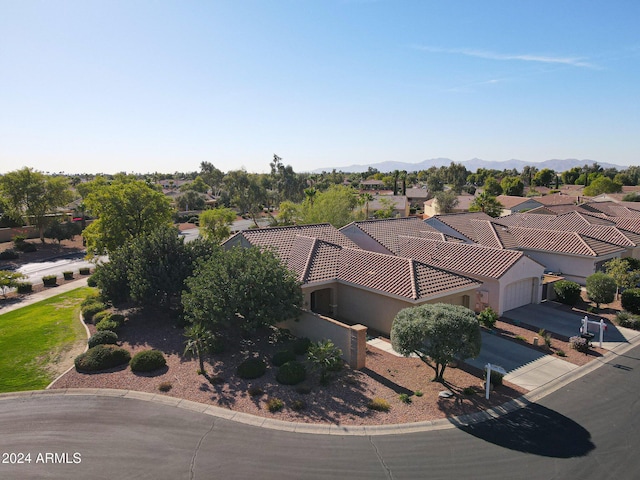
{"points": [[367, 271]]}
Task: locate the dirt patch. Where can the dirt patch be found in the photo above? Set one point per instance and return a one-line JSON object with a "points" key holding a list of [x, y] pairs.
{"points": [[343, 401]]}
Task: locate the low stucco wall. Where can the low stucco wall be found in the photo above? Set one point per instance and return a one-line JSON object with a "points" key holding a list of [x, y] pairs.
{"points": [[7, 234], [351, 339]]}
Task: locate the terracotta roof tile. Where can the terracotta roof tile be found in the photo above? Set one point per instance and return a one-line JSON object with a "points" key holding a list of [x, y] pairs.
{"points": [[464, 258], [460, 222], [561, 242], [386, 231]]}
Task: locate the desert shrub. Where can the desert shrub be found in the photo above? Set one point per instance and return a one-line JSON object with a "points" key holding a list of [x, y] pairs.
{"points": [[379, 404], [255, 391], [630, 300], [84, 271], [627, 320], [24, 287], [103, 338], [108, 323], [91, 308], [488, 317], [520, 338], [165, 386], [291, 373], [251, 368], [580, 344], [561, 353], [67, 275], [496, 378], [283, 356], [9, 255], [101, 357], [118, 318], [568, 292], [418, 393], [325, 357], [405, 398], [301, 345], [50, 280], [147, 361], [98, 317], [275, 405], [92, 282], [298, 405]]}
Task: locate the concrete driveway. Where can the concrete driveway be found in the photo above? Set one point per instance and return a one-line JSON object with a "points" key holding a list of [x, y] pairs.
{"points": [[525, 366], [549, 316]]}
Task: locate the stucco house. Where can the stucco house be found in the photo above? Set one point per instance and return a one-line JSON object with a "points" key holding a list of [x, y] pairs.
{"points": [[509, 278], [341, 281], [514, 204]]}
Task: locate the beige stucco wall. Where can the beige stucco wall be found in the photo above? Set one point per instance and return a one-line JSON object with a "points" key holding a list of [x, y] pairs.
{"points": [[572, 267], [317, 328], [378, 311]]}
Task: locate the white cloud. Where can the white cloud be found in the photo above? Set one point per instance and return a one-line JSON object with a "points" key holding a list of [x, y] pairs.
{"points": [[572, 61]]}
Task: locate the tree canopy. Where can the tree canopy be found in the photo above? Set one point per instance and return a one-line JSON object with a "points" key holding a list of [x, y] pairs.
{"points": [[215, 223], [31, 196], [241, 287], [125, 211], [488, 204], [438, 334], [601, 288]]}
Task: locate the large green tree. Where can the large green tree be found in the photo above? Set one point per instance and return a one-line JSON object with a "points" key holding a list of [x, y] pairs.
{"points": [[438, 334], [32, 196], [335, 206], [492, 186], [512, 186], [241, 287], [602, 185], [488, 204], [124, 211], [215, 223], [446, 201], [601, 288]]}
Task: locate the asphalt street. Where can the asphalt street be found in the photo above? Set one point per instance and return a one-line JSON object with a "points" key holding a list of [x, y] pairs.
{"points": [[588, 429]]}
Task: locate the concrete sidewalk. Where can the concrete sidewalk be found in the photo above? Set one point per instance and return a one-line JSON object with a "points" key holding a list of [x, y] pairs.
{"points": [[48, 292]]}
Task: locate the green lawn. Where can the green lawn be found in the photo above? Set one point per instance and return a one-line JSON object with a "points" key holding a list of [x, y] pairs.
{"points": [[33, 336]]}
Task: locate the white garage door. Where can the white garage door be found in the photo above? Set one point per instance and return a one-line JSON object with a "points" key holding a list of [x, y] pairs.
{"points": [[518, 293]]}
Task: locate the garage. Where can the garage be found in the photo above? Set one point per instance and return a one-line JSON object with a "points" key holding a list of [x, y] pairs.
{"points": [[519, 293]]}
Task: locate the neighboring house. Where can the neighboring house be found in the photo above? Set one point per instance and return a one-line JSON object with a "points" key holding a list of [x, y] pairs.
{"points": [[509, 278], [382, 235], [417, 196], [514, 204], [575, 255], [372, 185], [559, 199], [355, 286], [399, 203], [431, 208]]}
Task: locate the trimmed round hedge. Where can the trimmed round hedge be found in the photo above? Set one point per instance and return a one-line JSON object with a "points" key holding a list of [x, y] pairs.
{"points": [[567, 292], [101, 357], [630, 300], [147, 361], [91, 308], [283, 356], [291, 373], [106, 337], [251, 368], [301, 346]]}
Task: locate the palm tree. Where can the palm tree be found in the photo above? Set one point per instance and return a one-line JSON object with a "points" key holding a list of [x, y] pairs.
{"points": [[364, 199], [487, 204], [198, 340]]}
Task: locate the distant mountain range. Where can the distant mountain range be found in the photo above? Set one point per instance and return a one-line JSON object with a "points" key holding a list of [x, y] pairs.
{"points": [[471, 165]]}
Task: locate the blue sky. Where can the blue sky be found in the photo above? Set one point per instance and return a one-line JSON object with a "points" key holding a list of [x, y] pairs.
{"points": [[109, 86]]}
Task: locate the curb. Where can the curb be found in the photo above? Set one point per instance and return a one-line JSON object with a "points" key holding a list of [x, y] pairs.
{"points": [[86, 347]]}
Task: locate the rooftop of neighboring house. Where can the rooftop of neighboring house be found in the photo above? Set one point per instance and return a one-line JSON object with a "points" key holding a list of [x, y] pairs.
{"points": [[282, 238], [417, 193], [386, 231], [559, 199], [315, 260], [510, 201], [470, 259], [460, 222]]}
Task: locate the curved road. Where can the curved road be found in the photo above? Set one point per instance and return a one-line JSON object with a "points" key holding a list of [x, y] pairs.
{"points": [[588, 429]]}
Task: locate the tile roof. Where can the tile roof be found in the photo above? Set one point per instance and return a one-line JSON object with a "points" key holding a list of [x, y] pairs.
{"points": [[404, 277], [282, 238], [460, 222], [314, 259], [510, 201], [465, 258], [614, 209], [561, 241], [557, 199], [399, 276], [386, 231]]}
